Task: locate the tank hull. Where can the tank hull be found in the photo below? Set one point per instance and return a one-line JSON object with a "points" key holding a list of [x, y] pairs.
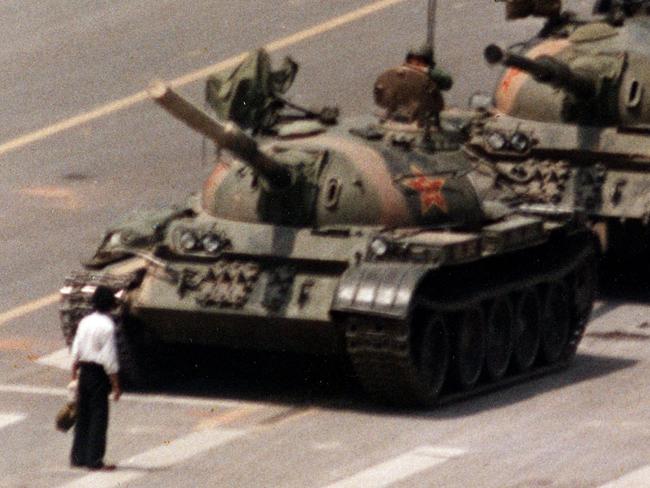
{"points": [[373, 307], [298, 323], [385, 244]]}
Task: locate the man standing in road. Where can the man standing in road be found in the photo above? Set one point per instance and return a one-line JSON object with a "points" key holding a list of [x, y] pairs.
{"points": [[95, 363]]}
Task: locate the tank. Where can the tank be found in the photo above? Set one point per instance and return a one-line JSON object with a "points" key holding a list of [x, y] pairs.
{"points": [[571, 122], [359, 239]]}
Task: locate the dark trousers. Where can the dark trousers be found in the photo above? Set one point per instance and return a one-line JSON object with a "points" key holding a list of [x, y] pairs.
{"points": [[89, 443]]}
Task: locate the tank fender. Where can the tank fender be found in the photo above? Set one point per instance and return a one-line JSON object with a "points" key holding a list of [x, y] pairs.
{"points": [[385, 289]]}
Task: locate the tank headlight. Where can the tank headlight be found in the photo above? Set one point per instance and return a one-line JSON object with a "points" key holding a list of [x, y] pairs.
{"points": [[211, 243], [188, 241], [379, 247], [115, 239], [520, 142], [88, 289], [497, 141]]}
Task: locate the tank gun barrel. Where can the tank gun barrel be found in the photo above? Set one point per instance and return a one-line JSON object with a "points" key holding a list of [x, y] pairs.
{"points": [[226, 135], [544, 69]]}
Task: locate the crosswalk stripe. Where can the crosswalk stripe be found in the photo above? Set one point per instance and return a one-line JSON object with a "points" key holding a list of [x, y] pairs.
{"points": [[132, 397], [635, 479], [163, 456], [58, 359], [10, 418], [399, 468]]}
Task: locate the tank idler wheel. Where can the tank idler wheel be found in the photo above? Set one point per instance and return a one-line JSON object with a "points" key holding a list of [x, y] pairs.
{"points": [[500, 327], [433, 357], [556, 322], [527, 330], [468, 348]]}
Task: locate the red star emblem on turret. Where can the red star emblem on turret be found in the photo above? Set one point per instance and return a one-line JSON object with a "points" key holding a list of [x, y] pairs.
{"points": [[429, 188], [510, 75]]}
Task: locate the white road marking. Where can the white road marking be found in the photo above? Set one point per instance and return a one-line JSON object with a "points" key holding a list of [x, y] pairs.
{"points": [[58, 359], [635, 479], [27, 308], [627, 315], [10, 418], [131, 397], [161, 457], [399, 468], [45, 301], [141, 96]]}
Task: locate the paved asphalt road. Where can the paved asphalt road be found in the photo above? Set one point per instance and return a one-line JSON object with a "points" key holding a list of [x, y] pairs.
{"points": [[80, 147]]}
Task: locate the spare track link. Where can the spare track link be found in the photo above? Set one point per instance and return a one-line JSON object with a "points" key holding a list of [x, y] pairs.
{"points": [[76, 304], [382, 355]]}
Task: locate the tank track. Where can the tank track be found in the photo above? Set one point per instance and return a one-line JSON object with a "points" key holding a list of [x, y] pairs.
{"points": [[385, 353], [75, 304]]}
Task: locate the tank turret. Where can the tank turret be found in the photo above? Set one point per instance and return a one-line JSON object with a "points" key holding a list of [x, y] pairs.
{"points": [[584, 89], [545, 69], [319, 180], [587, 72]]}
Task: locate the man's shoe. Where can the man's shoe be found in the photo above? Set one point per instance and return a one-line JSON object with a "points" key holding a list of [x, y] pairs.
{"points": [[74, 464], [103, 467]]}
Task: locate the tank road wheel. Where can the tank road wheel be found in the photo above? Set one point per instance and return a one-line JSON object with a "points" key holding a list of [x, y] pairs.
{"points": [[468, 348], [556, 322], [500, 325], [584, 284], [527, 330], [433, 357]]}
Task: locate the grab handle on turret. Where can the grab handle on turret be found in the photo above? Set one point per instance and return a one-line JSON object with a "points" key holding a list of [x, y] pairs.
{"points": [[544, 69], [226, 135]]}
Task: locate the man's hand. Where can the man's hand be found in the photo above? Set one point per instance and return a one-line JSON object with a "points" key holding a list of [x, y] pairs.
{"points": [[115, 383], [75, 370]]}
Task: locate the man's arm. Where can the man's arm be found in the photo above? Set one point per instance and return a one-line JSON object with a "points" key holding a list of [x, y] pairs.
{"points": [[442, 78]]}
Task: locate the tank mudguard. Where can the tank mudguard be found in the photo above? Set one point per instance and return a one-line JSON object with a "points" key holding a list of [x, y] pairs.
{"points": [[385, 289]]}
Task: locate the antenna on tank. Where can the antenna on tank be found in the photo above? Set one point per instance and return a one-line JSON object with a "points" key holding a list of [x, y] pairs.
{"points": [[431, 25]]}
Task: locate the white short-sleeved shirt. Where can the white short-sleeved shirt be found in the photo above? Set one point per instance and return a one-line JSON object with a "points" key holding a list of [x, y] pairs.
{"points": [[95, 342]]}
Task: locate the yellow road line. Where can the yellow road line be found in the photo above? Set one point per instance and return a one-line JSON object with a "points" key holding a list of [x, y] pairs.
{"points": [[226, 418], [141, 96], [290, 40], [76, 121], [48, 300], [28, 308]]}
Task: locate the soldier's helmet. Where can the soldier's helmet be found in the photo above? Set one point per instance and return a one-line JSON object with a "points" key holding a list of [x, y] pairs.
{"points": [[422, 53]]}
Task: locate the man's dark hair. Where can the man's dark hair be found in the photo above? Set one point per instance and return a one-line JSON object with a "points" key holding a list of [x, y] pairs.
{"points": [[103, 299]]}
